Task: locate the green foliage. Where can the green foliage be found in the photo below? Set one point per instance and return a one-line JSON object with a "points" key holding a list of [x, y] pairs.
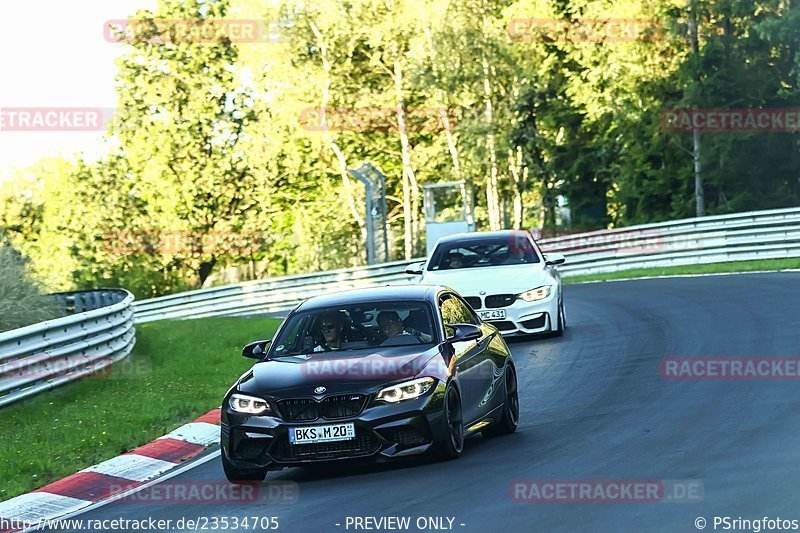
{"points": [[21, 301], [212, 139]]}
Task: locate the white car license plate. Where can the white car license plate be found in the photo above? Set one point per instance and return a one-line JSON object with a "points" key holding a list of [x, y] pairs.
{"points": [[492, 314], [310, 434]]}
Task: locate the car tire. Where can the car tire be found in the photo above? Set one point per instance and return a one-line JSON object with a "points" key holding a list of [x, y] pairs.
{"points": [[237, 476], [452, 444], [510, 419]]}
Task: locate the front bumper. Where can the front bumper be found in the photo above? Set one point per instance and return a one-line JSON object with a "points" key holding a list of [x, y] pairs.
{"points": [[525, 318], [383, 432]]}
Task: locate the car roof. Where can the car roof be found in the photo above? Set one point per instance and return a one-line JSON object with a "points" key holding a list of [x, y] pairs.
{"points": [[480, 235], [373, 294]]}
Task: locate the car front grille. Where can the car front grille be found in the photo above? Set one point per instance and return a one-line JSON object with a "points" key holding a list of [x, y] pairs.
{"points": [[473, 301], [365, 443], [332, 407], [299, 410], [500, 300]]}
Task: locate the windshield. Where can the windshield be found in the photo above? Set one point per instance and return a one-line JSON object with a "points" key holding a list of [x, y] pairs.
{"points": [[491, 251], [356, 326]]}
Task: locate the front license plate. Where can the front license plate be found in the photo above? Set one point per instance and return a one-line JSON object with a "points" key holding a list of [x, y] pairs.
{"points": [[492, 314], [310, 434]]}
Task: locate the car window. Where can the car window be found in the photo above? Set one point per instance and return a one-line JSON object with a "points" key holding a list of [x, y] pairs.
{"points": [[473, 317], [472, 252], [356, 326], [291, 332], [455, 311]]}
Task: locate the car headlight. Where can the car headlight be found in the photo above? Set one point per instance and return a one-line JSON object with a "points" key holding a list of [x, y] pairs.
{"points": [[534, 295], [407, 390], [248, 404]]}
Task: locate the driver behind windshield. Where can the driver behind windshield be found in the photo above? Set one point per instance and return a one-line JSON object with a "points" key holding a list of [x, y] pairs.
{"points": [[455, 260], [331, 326]]}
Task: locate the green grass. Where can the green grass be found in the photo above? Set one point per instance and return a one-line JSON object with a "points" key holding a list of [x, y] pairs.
{"points": [[711, 268], [178, 371]]}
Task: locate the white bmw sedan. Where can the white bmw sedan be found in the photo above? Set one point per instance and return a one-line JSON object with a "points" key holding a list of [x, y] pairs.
{"points": [[504, 276]]}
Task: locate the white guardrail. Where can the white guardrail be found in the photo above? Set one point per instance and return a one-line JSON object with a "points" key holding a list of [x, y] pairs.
{"points": [[743, 236], [753, 235], [269, 295], [97, 331]]}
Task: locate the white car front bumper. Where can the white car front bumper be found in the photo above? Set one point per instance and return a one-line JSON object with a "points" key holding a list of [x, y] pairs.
{"points": [[521, 317]]}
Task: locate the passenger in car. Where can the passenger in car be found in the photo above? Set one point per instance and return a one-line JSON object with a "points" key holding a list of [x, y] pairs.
{"points": [[395, 332], [417, 322], [390, 324]]}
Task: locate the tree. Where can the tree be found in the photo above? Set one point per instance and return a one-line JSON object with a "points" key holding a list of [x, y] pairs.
{"points": [[180, 121]]}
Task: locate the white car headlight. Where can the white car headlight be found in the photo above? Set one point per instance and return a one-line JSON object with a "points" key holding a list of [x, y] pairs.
{"points": [[534, 295], [248, 404], [407, 390]]}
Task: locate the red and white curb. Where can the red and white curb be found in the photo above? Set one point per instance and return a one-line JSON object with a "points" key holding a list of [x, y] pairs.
{"points": [[99, 482]]}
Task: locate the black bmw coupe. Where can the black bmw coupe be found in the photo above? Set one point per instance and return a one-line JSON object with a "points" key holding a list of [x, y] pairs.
{"points": [[370, 374]]}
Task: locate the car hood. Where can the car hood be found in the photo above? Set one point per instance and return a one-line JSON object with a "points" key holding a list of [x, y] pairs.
{"points": [[494, 280], [357, 370]]}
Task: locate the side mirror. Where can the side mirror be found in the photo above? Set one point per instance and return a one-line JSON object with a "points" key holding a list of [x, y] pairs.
{"points": [[415, 269], [554, 259], [463, 332], [256, 350]]}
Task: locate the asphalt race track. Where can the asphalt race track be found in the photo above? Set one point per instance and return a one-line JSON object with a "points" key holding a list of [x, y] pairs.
{"points": [[594, 407]]}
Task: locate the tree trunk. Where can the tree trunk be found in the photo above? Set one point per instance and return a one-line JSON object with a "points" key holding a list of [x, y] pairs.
{"points": [[451, 143], [522, 185], [492, 195], [410, 186], [205, 269], [694, 45], [342, 161], [515, 170]]}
